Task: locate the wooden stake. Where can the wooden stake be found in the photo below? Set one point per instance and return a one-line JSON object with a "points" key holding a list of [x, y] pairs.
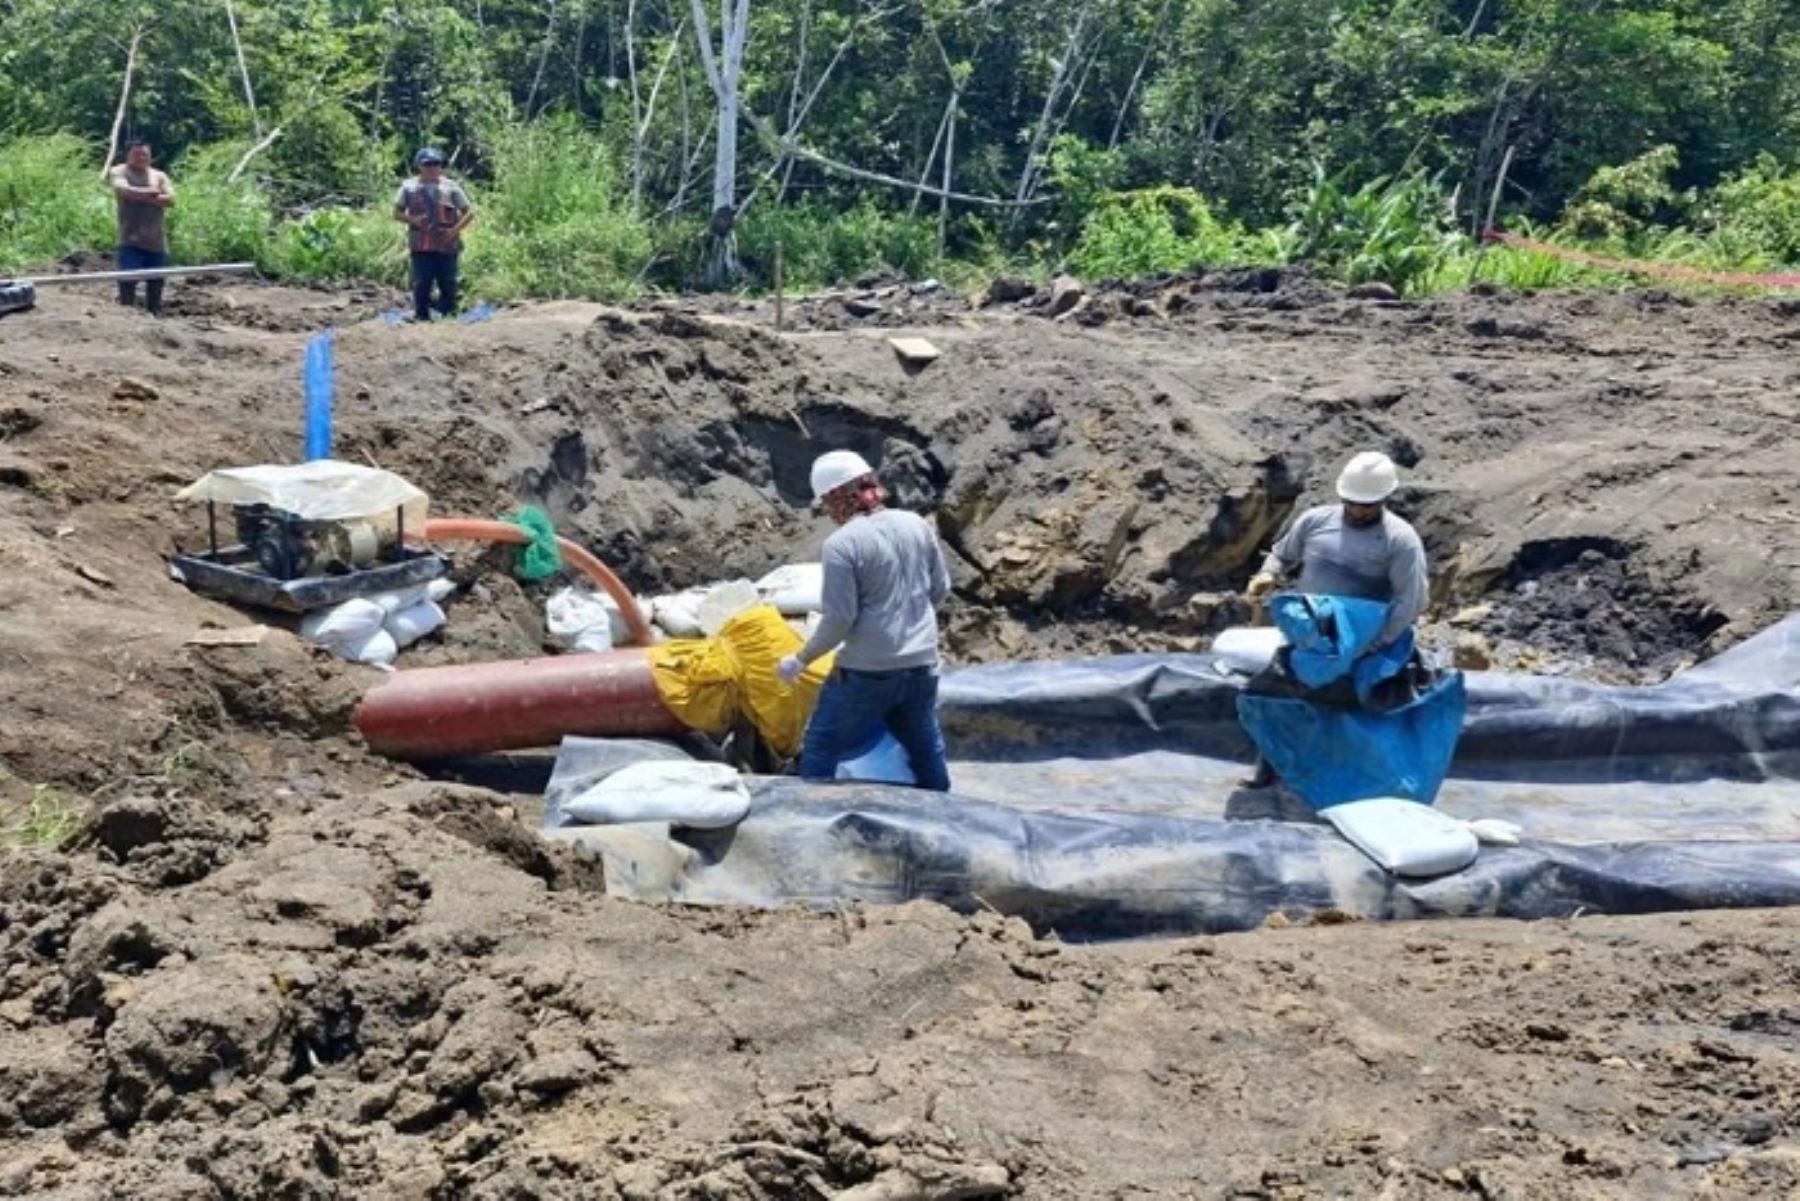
{"points": [[780, 270], [1499, 186]]}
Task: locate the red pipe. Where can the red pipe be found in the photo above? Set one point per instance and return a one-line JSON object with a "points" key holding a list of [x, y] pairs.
{"points": [[475, 529], [447, 712]]}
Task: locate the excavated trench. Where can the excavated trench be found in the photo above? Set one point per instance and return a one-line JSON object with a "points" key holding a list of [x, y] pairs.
{"points": [[679, 449]]}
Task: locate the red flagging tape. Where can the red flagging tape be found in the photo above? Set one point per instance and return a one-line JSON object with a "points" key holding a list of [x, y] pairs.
{"points": [[1693, 275]]}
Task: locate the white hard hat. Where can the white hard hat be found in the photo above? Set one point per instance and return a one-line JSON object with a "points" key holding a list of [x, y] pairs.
{"points": [[834, 469], [1368, 479]]}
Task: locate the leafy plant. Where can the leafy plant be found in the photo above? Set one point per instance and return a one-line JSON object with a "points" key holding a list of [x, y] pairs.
{"points": [[48, 820], [1755, 215], [217, 219], [556, 221], [1396, 231], [1151, 231], [1620, 203], [821, 247], [337, 245]]}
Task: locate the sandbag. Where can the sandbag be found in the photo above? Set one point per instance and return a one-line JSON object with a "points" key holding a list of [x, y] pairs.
{"points": [[706, 796], [795, 590], [581, 620], [351, 623], [1248, 649], [414, 622], [679, 614], [723, 602], [1405, 837], [377, 650], [405, 598]]}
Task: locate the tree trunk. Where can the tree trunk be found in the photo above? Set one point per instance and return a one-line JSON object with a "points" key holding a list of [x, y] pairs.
{"points": [[237, 44], [949, 160], [112, 145], [724, 69], [721, 253]]}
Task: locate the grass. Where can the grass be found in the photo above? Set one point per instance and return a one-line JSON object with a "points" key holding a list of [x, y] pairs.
{"points": [[52, 202], [191, 768], [46, 821]]}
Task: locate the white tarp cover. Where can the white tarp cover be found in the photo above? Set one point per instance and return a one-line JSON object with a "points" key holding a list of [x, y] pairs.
{"points": [[323, 490]]}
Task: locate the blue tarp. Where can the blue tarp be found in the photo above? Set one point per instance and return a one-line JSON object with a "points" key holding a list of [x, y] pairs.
{"points": [[1331, 754], [1331, 637]]}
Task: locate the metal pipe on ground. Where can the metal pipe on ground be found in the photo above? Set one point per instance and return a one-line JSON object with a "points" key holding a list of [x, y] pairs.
{"points": [[449, 712], [101, 277]]}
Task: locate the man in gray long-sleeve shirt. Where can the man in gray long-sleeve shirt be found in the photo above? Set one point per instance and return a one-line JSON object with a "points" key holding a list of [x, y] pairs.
{"points": [[1357, 548], [884, 579]]}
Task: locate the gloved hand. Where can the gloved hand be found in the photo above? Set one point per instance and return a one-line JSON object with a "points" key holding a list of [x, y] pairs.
{"points": [[789, 669], [1261, 587]]}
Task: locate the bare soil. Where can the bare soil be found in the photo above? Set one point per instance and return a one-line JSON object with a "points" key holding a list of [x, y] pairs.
{"points": [[272, 965]]}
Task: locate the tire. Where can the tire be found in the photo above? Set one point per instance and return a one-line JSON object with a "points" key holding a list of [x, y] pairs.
{"points": [[16, 295]]}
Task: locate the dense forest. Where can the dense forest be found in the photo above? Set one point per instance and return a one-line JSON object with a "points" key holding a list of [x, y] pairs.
{"points": [[614, 145]]}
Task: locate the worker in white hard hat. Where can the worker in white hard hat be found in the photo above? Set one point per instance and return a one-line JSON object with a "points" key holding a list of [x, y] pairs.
{"points": [[1357, 547], [885, 577]]}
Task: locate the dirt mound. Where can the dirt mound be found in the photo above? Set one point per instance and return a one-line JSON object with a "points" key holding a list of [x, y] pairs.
{"points": [[270, 965], [366, 1002]]}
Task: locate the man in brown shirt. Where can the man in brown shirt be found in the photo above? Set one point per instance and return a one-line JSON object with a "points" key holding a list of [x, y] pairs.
{"points": [[436, 210], [144, 195]]}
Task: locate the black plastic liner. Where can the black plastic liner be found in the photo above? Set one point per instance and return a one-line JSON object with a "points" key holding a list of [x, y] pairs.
{"points": [[1100, 799], [1737, 716]]}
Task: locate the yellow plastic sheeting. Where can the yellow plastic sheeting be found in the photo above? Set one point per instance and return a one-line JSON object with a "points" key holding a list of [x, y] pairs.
{"points": [[708, 683]]}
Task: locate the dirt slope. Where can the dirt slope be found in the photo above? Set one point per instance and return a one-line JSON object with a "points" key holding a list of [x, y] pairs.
{"points": [[273, 966]]}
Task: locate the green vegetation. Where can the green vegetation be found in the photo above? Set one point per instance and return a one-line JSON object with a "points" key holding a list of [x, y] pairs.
{"points": [[1110, 137], [47, 820]]}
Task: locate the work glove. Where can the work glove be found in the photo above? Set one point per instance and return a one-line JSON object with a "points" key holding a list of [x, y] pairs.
{"points": [[789, 669], [1261, 587]]}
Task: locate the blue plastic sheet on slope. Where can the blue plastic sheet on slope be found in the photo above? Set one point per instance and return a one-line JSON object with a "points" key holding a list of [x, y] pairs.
{"points": [[1100, 799], [481, 312]]}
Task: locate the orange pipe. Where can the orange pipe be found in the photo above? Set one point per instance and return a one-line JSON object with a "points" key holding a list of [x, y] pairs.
{"points": [[451, 712], [476, 529]]}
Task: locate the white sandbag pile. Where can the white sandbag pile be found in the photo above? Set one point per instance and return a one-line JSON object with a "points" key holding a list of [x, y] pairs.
{"points": [[794, 590], [375, 629], [580, 620]]}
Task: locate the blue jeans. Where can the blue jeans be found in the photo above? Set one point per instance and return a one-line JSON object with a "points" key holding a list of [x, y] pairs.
{"points": [[136, 258], [854, 705]]}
